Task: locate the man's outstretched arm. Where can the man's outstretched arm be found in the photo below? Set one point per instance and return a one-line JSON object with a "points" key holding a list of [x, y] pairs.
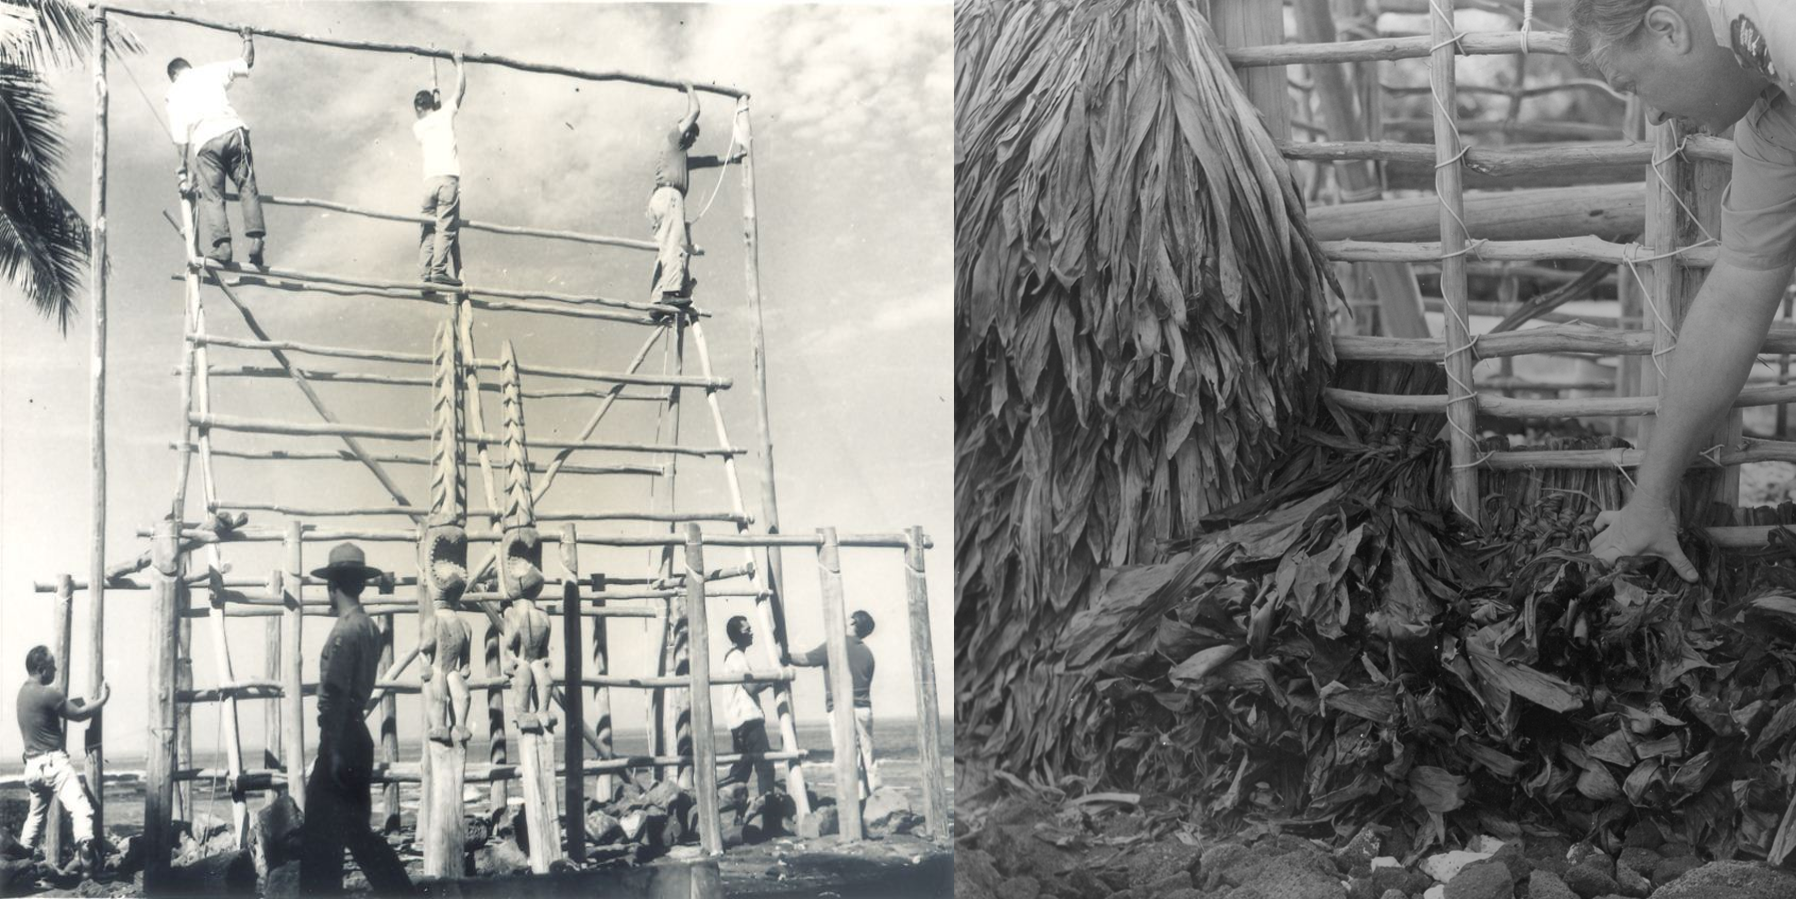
{"points": [[1716, 349], [249, 49], [461, 79], [81, 710], [691, 109]]}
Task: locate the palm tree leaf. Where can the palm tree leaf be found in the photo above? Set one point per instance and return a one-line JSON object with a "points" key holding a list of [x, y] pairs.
{"points": [[43, 239], [41, 34]]}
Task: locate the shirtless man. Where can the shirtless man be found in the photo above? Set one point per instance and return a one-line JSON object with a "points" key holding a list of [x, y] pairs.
{"points": [[48, 773], [1708, 64]]}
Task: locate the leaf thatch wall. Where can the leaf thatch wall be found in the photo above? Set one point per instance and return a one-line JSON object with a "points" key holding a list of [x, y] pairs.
{"points": [[1141, 320]]}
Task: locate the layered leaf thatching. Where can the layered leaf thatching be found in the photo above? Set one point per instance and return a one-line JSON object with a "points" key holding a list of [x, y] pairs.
{"points": [[1140, 317]]}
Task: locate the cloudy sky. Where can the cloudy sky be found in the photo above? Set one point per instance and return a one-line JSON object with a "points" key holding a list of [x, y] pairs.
{"points": [[853, 130]]}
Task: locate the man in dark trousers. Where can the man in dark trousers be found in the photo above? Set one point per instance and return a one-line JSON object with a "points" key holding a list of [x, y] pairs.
{"points": [[48, 771], [337, 800], [748, 726], [667, 209], [208, 131], [860, 669]]}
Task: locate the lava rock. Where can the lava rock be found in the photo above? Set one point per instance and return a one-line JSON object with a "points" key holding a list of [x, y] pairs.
{"points": [[1632, 882], [964, 886], [1731, 880], [819, 823], [1677, 849], [1482, 880], [1670, 869], [1643, 835], [633, 824], [1546, 885], [1019, 888], [1215, 858], [1445, 866], [1394, 894], [1015, 810], [1589, 881], [1384, 880], [1287, 877], [275, 835], [886, 806], [1590, 856], [1639, 858], [1158, 862], [499, 859], [977, 864], [1356, 857], [602, 829]]}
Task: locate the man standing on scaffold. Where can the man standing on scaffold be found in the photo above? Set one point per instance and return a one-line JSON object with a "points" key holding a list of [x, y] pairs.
{"points": [[439, 244], [667, 210], [201, 121]]}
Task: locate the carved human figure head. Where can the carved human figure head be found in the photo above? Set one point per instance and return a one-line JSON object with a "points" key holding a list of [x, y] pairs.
{"points": [[444, 567], [521, 574]]}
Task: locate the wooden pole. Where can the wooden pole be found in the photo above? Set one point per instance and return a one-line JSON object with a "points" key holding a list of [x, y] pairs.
{"points": [[389, 731], [674, 706], [765, 612], [922, 659], [293, 696], [751, 262], [573, 655], [704, 742], [606, 785], [97, 272], [272, 746], [1252, 23], [499, 794], [159, 788], [840, 683], [1462, 408], [61, 639], [428, 52], [183, 805]]}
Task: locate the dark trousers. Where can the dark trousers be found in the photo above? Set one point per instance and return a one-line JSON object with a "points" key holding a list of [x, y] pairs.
{"points": [[336, 818], [227, 153], [439, 240], [750, 737]]}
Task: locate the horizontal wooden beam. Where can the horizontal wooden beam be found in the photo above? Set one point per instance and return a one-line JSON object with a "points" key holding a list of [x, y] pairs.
{"points": [[1550, 339], [466, 224], [266, 779], [490, 59], [352, 377], [1507, 161], [411, 511], [407, 535], [326, 429], [1605, 211], [272, 276], [1588, 249], [344, 352], [294, 455], [1498, 406], [1476, 43]]}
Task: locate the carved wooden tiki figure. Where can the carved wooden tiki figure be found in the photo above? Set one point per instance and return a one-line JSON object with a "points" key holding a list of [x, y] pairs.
{"points": [[520, 569], [443, 562]]}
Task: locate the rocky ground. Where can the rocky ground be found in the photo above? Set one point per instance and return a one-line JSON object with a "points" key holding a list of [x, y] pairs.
{"points": [[1023, 848]]}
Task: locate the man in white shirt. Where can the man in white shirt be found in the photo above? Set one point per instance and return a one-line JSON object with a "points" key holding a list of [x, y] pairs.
{"points": [[439, 247], [201, 121], [748, 727]]}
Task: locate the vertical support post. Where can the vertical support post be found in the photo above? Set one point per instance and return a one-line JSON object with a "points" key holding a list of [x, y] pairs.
{"points": [[751, 262], [1462, 401], [61, 640], [183, 808], [499, 794], [1667, 276], [572, 706], [271, 669], [840, 682], [704, 740], [606, 784], [922, 660], [676, 639], [388, 720], [159, 792], [96, 569], [1244, 23], [292, 696]]}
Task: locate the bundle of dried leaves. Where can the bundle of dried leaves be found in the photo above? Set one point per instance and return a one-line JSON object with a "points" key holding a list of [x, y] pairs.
{"points": [[1141, 315], [1342, 653]]}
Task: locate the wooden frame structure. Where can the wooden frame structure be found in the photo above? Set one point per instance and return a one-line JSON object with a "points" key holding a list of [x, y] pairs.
{"points": [[186, 556], [1660, 270]]}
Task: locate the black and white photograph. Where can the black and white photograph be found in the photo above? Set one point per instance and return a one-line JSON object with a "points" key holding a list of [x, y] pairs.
{"points": [[1373, 471], [476, 449]]}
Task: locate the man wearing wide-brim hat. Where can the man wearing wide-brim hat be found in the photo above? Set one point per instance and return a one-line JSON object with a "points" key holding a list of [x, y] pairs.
{"points": [[337, 793]]}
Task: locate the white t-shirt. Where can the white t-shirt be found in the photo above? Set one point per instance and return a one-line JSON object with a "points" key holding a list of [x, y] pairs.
{"points": [[741, 706], [436, 134], [198, 109]]}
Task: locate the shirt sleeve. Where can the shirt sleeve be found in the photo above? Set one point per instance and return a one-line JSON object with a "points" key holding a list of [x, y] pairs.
{"points": [[232, 69], [818, 656], [334, 677], [1758, 209], [177, 120]]}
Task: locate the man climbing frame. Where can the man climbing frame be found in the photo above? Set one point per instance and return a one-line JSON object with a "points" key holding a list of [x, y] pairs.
{"points": [[667, 210], [202, 122], [337, 798], [439, 244], [860, 669], [1707, 63], [48, 772]]}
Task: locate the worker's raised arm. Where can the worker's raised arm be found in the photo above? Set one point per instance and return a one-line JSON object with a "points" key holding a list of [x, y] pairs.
{"points": [[812, 658], [249, 48], [691, 109], [461, 79], [1720, 341], [81, 710]]}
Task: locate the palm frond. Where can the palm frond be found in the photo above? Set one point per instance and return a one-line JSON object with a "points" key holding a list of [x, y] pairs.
{"points": [[1141, 320], [40, 34], [43, 239]]}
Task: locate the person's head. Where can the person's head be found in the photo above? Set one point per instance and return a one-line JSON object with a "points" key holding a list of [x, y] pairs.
{"points": [[176, 66], [690, 137], [424, 103], [41, 664], [860, 624], [345, 586], [740, 634], [346, 573], [1666, 52]]}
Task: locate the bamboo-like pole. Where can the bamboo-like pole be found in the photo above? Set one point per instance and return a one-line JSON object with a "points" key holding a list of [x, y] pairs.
{"points": [[388, 728], [1575, 407], [1477, 43], [1605, 211], [676, 635], [751, 262], [1505, 162], [466, 224], [1462, 407], [97, 275], [922, 660], [401, 774], [499, 795], [626, 378], [1528, 341], [598, 415], [550, 304], [183, 802], [605, 787], [1667, 277], [1587, 249], [1246, 23], [330, 429], [61, 637], [300, 455], [413, 511], [765, 614], [273, 745], [293, 697], [217, 271], [573, 706], [357, 377], [704, 745], [159, 791], [429, 52], [384, 535], [840, 683]]}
